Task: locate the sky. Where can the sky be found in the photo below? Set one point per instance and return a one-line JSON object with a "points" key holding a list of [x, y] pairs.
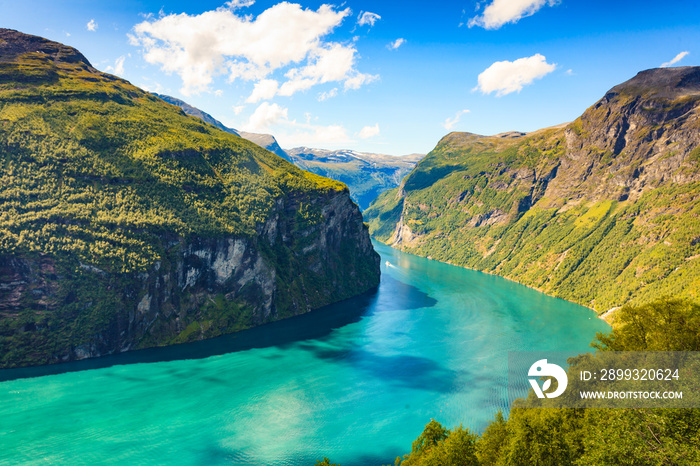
{"points": [[374, 76]]}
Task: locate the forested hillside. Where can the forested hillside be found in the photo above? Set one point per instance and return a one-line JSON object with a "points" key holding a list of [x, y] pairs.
{"points": [[602, 211], [125, 223]]}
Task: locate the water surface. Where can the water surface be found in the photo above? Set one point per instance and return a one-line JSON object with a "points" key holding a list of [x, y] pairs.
{"points": [[356, 381]]}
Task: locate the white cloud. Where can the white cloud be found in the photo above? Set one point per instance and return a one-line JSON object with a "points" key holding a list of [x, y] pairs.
{"points": [[235, 4], [501, 12], [91, 25], [359, 79], [334, 62], [505, 77], [266, 116], [264, 90], [570, 72], [315, 135], [218, 92], [675, 60], [118, 67], [152, 86], [296, 85], [451, 122], [327, 95], [291, 133], [396, 44], [366, 17], [368, 131], [221, 42], [238, 109]]}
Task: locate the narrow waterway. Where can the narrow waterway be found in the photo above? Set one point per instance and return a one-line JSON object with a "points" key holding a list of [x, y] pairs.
{"points": [[356, 381]]}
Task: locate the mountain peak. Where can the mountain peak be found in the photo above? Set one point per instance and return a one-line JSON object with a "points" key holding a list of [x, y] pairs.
{"points": [[14, 44], [671, 83]]}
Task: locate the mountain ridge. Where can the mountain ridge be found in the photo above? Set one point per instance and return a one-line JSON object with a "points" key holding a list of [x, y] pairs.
{"points": [[366, 174], [266, 141], [599, 211]]}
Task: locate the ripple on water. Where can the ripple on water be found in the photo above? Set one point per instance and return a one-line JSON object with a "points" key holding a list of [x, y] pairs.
{"points": [[356, 381]]}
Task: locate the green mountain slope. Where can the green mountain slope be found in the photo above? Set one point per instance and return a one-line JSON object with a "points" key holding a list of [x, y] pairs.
{"points": [[125, 223], [266, 141], [602, 211], [367, 175]]}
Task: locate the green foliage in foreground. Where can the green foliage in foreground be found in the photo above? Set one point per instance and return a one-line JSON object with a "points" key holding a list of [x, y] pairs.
{"points": [[585, 437], [548, 436], [438, 446], [326, 462], [664, 325]]}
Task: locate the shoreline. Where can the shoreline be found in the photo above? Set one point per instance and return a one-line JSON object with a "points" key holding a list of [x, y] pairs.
{"points": [[606, 316]]}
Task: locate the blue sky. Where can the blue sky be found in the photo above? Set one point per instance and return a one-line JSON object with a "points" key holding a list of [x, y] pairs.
{"points": [[386, 77]]}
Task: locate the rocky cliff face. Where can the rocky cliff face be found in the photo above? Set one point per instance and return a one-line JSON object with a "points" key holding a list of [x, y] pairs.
{"points": [[636, 138], [601, 211], [203, 287], [126, 224]]}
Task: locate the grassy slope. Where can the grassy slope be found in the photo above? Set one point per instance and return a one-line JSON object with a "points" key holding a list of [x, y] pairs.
{"points": [[99, 180], [481, 202], [94, 166]]}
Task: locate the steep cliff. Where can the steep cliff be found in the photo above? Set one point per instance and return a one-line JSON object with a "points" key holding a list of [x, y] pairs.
{"points": [[601, 211], [125, 223]]}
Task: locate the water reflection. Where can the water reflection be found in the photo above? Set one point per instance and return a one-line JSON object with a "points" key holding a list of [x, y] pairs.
{"points": [[391, 295]]}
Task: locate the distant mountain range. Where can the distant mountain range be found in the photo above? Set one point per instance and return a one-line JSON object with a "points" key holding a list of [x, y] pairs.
{"points": [[602, 211], [367, 175]]}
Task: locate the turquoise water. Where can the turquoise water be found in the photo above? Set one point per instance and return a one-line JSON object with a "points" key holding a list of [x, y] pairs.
{"points": [[356, 381]]}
